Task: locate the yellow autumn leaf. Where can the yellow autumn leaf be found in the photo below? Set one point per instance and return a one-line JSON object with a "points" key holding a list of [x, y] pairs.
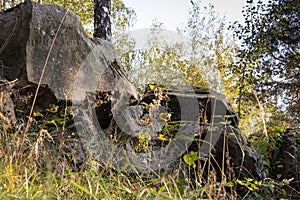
{"points": [[152, 87], [162, 137]]}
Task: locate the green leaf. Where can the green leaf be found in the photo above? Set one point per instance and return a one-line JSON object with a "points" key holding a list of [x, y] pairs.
{"points": [[191, 158]]}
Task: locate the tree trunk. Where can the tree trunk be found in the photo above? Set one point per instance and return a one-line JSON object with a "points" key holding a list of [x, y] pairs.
{"points": [[102, 24]]}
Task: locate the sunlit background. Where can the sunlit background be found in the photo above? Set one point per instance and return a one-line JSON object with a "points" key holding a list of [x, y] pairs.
{"points": [[174, 13]]}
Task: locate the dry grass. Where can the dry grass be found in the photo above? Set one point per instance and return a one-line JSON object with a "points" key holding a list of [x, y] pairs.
{"points": [[32, 157], [28, 170]]}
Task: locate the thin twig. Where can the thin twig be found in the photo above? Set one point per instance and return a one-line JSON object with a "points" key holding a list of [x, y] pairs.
{"points": [[9, 36], [261, 114], [43, 71]]}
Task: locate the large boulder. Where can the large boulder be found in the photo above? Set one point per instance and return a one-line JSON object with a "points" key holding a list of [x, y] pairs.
{"points": [[27, 33], [173, 125], [206, 125]]}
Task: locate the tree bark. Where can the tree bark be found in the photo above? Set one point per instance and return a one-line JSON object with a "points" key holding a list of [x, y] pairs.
{"points": [[102, 23]]}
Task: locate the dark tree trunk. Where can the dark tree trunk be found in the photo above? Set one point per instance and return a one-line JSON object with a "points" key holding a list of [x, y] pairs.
{"points": [[102, 24]]}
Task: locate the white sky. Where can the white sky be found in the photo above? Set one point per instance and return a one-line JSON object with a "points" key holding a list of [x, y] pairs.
{"points": [[174, 13]]}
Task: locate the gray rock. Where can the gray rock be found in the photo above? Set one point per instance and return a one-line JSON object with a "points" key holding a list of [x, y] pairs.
{"points": [[197, 117], [244, 160], [76, 64]]}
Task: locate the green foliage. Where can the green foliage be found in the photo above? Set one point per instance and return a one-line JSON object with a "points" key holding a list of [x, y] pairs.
{"points": [[212, 47], [270, 54], [158, 62], [219, 61], [267, 147], [122, 17], [197, 62], [191, 158], [142, 145]]}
